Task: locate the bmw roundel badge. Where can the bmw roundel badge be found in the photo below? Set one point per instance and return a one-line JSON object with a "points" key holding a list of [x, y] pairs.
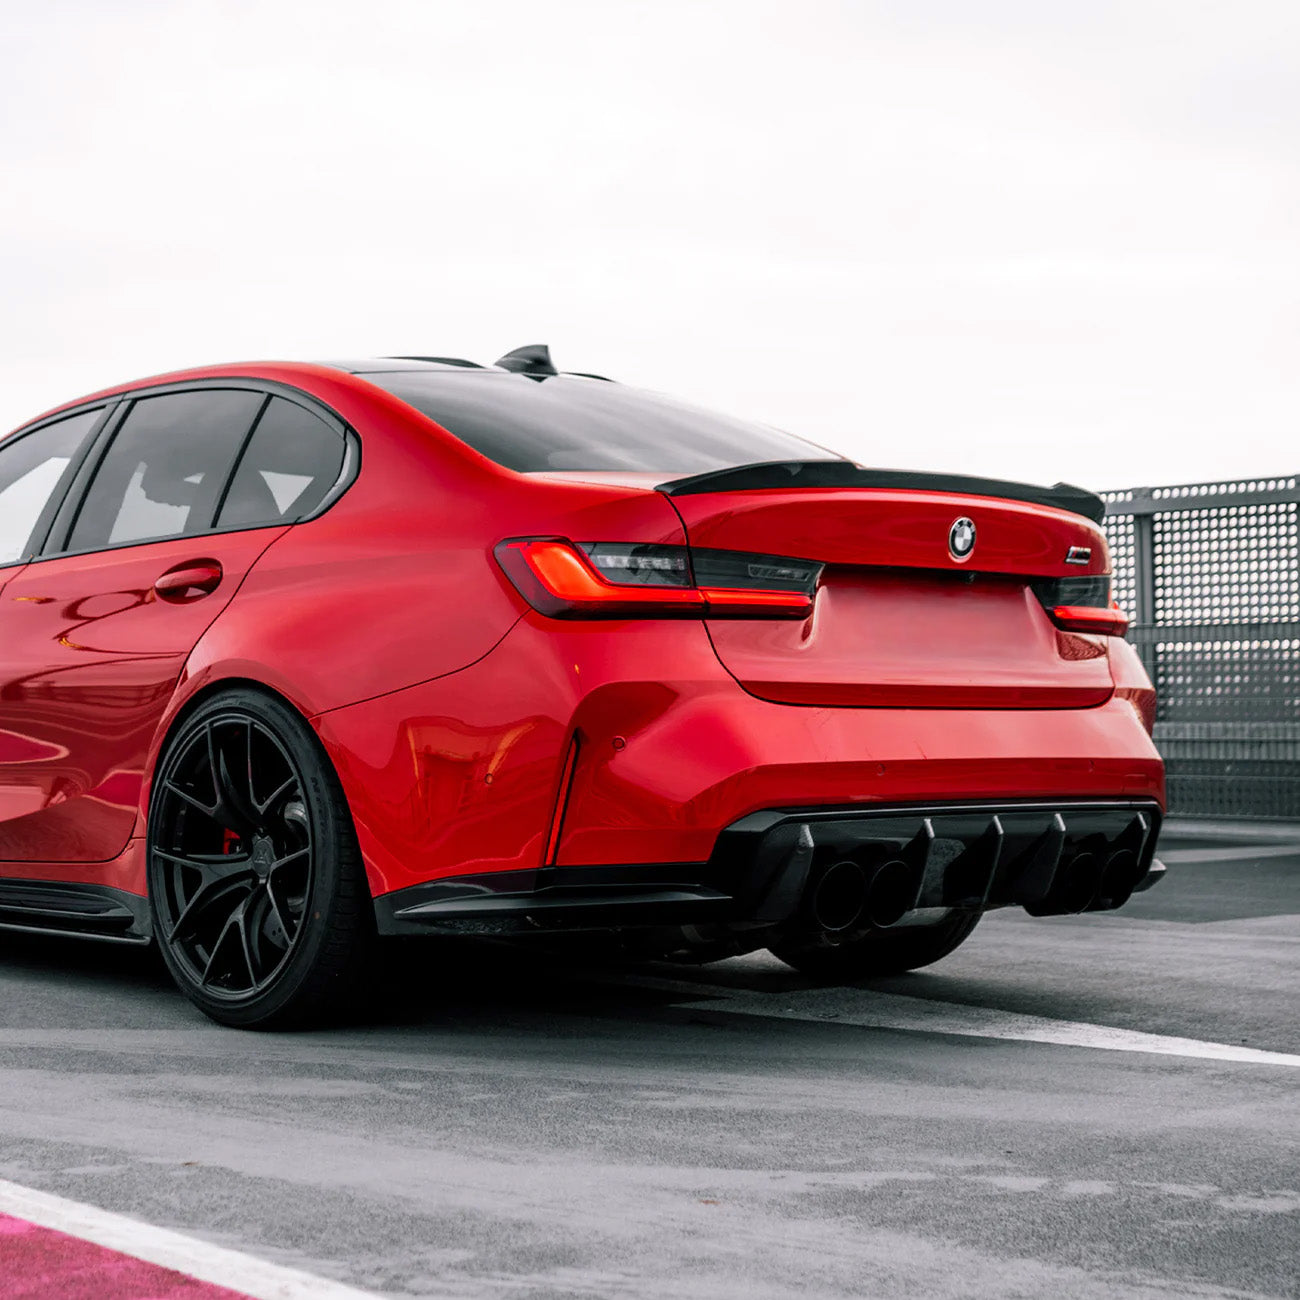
{"points": [[961, 538]]}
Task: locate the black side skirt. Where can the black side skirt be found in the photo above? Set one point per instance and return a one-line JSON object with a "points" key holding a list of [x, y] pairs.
{"points": [[566, 898], [79, 911]]}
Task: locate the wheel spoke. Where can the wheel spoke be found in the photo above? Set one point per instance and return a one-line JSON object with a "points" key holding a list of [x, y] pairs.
{"points": [[208, 810], [288, 858], [214, 866], [246, 945], [279, 915], [210, 740], [248, 764], [206, 897], [226, 931], [234, 808], [263, 806]]}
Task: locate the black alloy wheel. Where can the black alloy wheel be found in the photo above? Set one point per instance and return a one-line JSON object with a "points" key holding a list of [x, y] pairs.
{"points": [[259, 903]]}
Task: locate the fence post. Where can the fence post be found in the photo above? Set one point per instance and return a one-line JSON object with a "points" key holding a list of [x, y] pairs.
{"points": [[1144, 581]]}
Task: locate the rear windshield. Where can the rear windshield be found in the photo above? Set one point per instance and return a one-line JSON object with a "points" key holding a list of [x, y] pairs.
{"points": [[565, 422]]}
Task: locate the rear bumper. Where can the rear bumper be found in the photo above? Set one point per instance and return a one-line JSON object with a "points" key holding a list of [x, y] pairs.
{"points": [[1050, 858], [469, 774]]}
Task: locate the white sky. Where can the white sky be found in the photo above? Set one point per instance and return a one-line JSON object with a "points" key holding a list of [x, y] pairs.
{"points": [[1043, 239]]}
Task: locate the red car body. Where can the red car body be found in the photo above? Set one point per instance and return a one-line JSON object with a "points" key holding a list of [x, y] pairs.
{"points": [[491, 752]]}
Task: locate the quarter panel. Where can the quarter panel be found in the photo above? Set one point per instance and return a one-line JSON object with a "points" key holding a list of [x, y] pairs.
{"points": [[461, 774], [397, 583]]}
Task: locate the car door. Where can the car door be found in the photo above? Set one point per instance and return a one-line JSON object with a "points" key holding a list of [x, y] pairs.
{"points": [[94, 631], [36, 466]]}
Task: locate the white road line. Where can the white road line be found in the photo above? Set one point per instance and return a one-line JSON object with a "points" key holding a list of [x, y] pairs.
{"points": [[188, 1255], [1230, 854], [892, 1011]]}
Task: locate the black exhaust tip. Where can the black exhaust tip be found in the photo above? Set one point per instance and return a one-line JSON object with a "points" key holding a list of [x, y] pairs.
{"points": [[1076, 885], [891, 894], [839, 897], [1119, 877]]}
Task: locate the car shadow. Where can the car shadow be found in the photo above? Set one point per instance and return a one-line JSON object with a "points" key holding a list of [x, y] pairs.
{"points": [[462, 981], [411, 983], [475, 987], [121, 965]]}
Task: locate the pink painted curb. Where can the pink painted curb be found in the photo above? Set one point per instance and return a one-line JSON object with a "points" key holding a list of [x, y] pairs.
{"points": [[40, 1264]]}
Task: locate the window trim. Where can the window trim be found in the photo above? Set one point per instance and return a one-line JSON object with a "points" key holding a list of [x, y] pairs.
{"points": [[68, 480], [54, 544], [220, 503]]}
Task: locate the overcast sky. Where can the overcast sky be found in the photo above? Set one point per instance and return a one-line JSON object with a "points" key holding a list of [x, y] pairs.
{"points": [[1044, 239]]}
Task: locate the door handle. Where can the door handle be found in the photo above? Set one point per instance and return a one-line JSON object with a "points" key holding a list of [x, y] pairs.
{"points": [[186, 582]]}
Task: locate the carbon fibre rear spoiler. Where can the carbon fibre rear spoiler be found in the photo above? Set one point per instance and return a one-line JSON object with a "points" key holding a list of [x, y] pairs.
{"points": [[845, 474]]}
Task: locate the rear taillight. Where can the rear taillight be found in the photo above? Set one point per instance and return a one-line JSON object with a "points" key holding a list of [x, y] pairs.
{"points": [[1082, 605], [632, 580]]}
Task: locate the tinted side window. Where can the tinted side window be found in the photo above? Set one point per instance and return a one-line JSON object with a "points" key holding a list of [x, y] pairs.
{"points": [[32, 467], [165, 469], [291, 462]]}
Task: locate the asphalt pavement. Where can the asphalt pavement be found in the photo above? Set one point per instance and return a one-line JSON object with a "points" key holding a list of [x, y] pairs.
{"points": [[1099, 1106]]}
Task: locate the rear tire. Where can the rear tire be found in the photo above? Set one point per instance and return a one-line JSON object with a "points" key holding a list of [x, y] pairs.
{"points": [[259, 902], [882, 952]]}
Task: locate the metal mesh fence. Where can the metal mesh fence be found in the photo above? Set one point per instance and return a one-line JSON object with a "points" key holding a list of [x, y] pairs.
{"points": [[1210, 573]]}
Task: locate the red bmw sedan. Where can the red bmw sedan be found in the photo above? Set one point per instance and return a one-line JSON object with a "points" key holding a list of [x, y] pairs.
{"points": [[295, 656]]}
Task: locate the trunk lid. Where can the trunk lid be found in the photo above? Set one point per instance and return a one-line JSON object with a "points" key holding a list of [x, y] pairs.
{"points": [[899, 619]]}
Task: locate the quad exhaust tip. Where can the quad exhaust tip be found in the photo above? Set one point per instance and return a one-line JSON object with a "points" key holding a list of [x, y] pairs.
{"points": [[1089, 882], [846, 894]]}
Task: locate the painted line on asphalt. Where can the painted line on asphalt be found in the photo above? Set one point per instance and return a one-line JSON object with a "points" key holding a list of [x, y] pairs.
{"points": [[921, 1015], [1242, 854], [194, 1258]]}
